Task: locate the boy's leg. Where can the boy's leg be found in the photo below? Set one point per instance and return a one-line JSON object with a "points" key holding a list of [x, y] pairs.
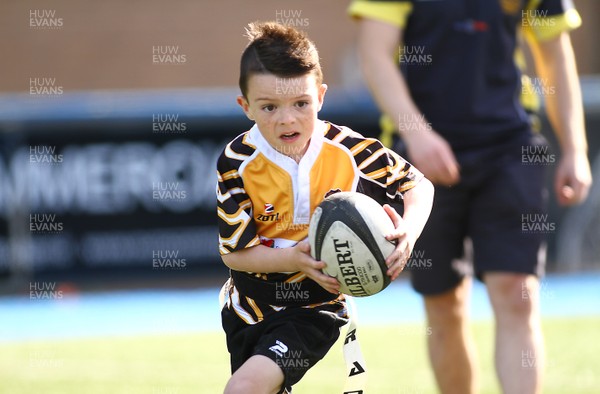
{"points": [[276, 353], [258, 375]]}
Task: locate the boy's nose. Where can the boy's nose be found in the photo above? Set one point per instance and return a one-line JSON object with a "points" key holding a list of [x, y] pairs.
{"points": [[286, 117]]}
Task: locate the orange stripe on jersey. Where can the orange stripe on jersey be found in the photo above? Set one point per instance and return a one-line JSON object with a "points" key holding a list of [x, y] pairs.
{"points": [[230, 175], [372, 158], [238, 309], [299, 277], [341, 136], [407, 186], [360, 147], [255, 308], [377, 173]]}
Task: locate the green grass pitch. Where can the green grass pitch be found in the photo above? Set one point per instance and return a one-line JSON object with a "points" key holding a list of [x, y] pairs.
{"points": [[198, 363]]}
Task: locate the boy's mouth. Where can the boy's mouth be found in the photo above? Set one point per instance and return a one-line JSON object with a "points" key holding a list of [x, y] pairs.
{"points": [[290, 136]]}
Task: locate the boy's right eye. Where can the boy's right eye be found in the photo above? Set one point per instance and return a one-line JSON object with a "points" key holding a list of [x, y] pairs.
{"points": [[268, 108]]}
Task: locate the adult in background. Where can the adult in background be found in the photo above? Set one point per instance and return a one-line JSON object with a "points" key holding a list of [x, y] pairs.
{"points": [[454, 101]]}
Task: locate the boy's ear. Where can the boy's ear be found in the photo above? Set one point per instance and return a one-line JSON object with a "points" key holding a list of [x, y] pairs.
{"points": [[321, 95], [241, 100]]}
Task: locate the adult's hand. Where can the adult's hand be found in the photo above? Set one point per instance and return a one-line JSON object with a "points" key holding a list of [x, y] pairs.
{"points": [[433, 156], [573, 179]]}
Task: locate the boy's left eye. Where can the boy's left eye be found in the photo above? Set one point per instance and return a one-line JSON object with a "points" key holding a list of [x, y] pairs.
{"points": [[302, 104]]}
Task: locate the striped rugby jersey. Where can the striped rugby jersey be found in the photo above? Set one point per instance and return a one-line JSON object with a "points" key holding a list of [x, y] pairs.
{"points": [[265, 197]]}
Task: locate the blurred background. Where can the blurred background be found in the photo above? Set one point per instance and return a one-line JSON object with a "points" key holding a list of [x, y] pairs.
{"points": [[112, 115]]}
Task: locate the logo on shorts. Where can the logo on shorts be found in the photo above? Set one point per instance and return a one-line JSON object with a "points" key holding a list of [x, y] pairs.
{"points": [[279, 348], [269, 208]]}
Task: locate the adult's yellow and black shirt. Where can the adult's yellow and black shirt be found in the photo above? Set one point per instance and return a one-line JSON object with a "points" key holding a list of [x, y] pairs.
{"points": [[460, 61], [264, 196]]}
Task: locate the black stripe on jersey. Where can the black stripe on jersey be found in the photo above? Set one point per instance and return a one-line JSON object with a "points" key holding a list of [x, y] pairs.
{"points": [[241, 148], [333, 131], [233, 197], [389, 173]]}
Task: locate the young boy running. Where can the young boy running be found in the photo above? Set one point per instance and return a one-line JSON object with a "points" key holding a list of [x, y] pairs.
{"points": [[281, 313]]}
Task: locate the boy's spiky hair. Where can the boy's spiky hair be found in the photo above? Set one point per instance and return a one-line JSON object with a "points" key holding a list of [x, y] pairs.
{"points": [[279, 50]]}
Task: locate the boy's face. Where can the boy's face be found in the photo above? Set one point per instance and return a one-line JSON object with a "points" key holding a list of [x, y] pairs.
{"points": [[284, 109]]}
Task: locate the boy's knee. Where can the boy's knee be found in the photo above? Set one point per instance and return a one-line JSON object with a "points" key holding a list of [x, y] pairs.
{"points": [[258, 375], [242, 385]]}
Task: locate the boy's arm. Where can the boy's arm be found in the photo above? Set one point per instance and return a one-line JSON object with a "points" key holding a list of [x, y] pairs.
{"points": [[418, 202], [555, 64], [263, 259]]}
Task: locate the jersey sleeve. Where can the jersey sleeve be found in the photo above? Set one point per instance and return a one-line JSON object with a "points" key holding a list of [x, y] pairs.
{"points": [[545, 19], [393, 12], [237, 229], [389, 176]]}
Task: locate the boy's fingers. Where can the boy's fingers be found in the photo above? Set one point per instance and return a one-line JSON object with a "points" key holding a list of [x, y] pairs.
{"points": [[304, 246], [399, 228], [329, 283], [398, 253]]}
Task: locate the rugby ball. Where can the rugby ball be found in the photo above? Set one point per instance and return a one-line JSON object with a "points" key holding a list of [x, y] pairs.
{"points": [[347, 232]]}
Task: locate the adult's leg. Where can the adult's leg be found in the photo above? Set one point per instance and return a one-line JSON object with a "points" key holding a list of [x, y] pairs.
{"points": [[507, 231], [440, 274], [452, 351], [519, 353]]}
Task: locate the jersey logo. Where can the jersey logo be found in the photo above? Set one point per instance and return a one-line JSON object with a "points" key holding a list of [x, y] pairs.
{"points": [[471, 26], [269, 243], [279, 348], [269, 214]]}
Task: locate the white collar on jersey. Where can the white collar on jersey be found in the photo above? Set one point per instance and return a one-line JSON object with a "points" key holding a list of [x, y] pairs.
{"points": [[256, 138]]}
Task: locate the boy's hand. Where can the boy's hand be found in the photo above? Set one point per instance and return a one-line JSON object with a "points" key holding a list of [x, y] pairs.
{"points": [[397, 260], [312, 268]]}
